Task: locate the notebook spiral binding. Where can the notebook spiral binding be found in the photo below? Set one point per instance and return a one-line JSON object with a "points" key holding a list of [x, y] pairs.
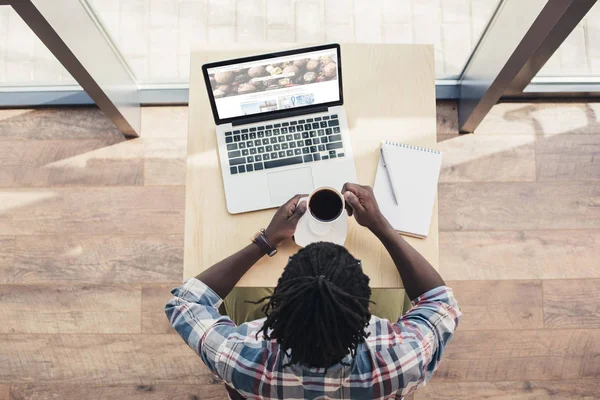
{"points": [[412, 147]]}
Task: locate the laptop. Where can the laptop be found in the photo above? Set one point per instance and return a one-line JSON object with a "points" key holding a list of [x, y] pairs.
{"points": [[281, 128]]}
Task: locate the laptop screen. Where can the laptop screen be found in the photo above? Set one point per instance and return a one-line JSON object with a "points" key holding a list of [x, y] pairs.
{"points": [[275, 84]]}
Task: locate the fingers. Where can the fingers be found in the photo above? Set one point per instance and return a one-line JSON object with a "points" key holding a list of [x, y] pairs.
{"points": [[345, 187], [358, 190], [293, 206], [298, 212], [289, 206], [347, 205], [354, 202], [348, 208], [294, 200]]}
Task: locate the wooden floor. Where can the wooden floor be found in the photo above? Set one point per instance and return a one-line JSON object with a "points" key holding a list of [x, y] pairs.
{"points": [[91, 243]]}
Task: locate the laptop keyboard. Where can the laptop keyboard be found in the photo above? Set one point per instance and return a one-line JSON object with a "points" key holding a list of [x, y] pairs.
{"points": [[286, 143]]}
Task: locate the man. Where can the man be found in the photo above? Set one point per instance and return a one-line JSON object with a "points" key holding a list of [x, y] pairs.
{"points": [[319, 339]]}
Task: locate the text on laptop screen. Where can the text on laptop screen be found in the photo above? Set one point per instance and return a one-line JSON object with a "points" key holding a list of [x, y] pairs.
{"points": [[275, 83]]}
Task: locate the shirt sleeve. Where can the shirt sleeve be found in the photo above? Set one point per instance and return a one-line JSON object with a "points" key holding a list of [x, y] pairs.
{"points": [[426, 329], [194, 313]]}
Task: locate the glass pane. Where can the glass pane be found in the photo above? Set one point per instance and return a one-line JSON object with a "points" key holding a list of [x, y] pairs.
{"points": [[24, 59], [579, 54], [155, 36]]}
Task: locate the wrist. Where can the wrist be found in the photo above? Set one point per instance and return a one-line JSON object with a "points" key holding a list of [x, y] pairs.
{"points": [[257, 247], [381, 227], [272, 238], [264, 243]]}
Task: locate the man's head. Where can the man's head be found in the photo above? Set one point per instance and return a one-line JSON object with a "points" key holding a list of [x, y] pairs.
{"points": [[320, 307]]}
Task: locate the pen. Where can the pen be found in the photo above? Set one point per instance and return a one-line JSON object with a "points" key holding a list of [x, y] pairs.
{"points": [[389, 173]]}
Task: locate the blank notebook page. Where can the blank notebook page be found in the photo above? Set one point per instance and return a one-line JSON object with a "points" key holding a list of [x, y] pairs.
{"points": [[415, 171]]}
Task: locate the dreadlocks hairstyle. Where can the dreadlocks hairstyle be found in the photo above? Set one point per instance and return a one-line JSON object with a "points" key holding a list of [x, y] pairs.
{"points": [[320, 308]]}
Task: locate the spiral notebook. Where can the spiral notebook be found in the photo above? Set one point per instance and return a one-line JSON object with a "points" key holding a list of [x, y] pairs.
{"points": [[414, 172]]}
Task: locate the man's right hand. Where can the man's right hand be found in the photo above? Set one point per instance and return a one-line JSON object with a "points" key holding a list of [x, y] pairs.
{"points": [[360, 202]]}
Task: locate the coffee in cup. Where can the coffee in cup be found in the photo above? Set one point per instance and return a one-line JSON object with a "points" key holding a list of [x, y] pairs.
{"points": [[325, 204]]}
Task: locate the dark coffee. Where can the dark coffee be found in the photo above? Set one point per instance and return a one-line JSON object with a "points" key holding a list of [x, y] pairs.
{"points": [[325, 205]]}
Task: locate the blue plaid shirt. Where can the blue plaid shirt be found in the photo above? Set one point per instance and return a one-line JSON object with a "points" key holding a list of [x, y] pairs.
{"points": [[395, 359]]}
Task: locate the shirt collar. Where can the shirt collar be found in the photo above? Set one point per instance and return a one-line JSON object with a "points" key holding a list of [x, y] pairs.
{"points": [[345, 362]]}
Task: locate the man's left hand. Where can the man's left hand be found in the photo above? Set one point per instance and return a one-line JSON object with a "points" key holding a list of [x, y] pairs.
{"points": [[283, 224]]}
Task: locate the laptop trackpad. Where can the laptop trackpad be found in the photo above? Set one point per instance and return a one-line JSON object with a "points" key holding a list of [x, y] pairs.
{"points": [[286, 184]]}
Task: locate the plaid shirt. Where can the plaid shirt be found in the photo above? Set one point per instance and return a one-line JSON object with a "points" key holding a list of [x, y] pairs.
{"points": [[394, 360]]}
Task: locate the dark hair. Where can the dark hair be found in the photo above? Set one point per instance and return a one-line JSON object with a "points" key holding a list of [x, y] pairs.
{"points": [[320, 307]]}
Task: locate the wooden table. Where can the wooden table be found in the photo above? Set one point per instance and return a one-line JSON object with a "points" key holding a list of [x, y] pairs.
{"points": [[389, 94]]}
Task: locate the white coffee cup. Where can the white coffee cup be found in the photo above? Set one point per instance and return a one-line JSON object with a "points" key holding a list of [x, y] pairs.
{"points": [[324, 207]]}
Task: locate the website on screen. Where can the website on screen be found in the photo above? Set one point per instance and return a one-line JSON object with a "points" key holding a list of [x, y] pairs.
{"points": [[275, 84]]}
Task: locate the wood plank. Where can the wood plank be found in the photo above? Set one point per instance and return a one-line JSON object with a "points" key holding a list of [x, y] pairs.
{"points": [[154, 299], [560, 118], [165, 161], [165, 122], [509, 118], [491, 158], [153, 161], [111, 210], [207, 391], [446, 117], [499, 305], [543, 118], [521, 355], [520, 255], [568, 158], [44, 163], [581, 389], [60, 308], [87, 123], [41, 152], [573, 303], [5, 392], [7, 252], [501, 369], [519, 205], [99, 360], [96, 259], [56, 123]]}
